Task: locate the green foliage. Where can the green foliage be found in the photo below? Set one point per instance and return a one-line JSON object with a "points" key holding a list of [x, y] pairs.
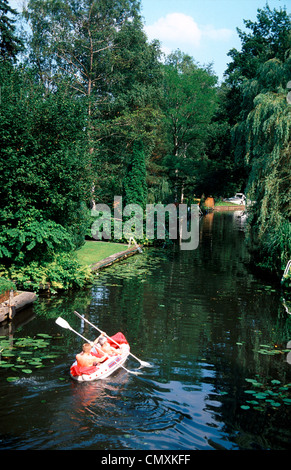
{"points": [[268, 38], [10, 44], [45, 182], [135, 187], [189, 104], [73, 116], [258, 78], [267, 151], [5, 285], [45, 162], [63, 272], [32, 238]]}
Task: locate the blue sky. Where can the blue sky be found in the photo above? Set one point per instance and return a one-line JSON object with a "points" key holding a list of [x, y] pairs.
{"points": [[204, 29]]}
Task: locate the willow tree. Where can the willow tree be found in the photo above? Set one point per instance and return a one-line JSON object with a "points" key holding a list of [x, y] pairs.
{"points": [[264, 39], [266, 131], [257, 79]]}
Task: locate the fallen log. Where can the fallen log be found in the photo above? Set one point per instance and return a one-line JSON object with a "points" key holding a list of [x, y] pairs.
{"points": [[15, 303]]}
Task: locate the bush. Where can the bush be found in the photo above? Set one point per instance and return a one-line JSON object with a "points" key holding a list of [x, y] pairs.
{"points": [[6, 285], [27, 237], [64, 272]]}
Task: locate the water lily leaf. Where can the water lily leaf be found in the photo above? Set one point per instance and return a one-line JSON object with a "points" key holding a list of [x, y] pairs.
{"points": [[34, 363], [27, 371], [260, 396], [287, 401], [245, 407], [254, 382], [12, 379], [50, 356]]}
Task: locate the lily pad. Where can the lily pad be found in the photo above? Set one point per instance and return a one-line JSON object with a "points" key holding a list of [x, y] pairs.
{"points": [[287, 401]]}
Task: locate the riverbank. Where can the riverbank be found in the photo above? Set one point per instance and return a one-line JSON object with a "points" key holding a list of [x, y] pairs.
{"points": [[99, 255], [95, 251], [228, 207], [219, 206]]}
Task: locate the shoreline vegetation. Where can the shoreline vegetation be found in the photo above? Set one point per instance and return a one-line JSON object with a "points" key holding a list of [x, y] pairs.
{"points": [[79, 125]]}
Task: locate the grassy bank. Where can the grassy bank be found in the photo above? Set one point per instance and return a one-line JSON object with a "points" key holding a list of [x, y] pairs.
{"points": [[224, 203], [94, 251]]}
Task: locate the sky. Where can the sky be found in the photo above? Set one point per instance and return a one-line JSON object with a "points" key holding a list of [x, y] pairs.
{"points": [[204, 29]]}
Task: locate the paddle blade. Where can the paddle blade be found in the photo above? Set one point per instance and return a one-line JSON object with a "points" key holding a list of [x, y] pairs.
{"points": [[145, 364], [63, 323], [134, 372]]}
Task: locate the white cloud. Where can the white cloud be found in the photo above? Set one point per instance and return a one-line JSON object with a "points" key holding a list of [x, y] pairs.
{"points": [[175, 27], [179, 28], [221, 34]]}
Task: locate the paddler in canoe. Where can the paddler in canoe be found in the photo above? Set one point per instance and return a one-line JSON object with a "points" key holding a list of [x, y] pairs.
{"points": [[103, 348], [87, 360], [110, 345]]}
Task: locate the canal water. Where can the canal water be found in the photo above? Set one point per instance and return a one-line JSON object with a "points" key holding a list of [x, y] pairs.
{"points": [[214, 333]]}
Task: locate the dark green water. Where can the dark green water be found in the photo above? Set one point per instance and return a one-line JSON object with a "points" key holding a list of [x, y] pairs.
{"points": [[204, 322]]}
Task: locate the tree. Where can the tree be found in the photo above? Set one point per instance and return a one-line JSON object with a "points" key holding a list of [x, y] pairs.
{"points": [[10, 44], [45, 165], [100, 48], [135, 187], [220, 173], [190, 100], [267, 134], [258, 78], [76, 40], [266, 38], [269, 38], [133, 111]]}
